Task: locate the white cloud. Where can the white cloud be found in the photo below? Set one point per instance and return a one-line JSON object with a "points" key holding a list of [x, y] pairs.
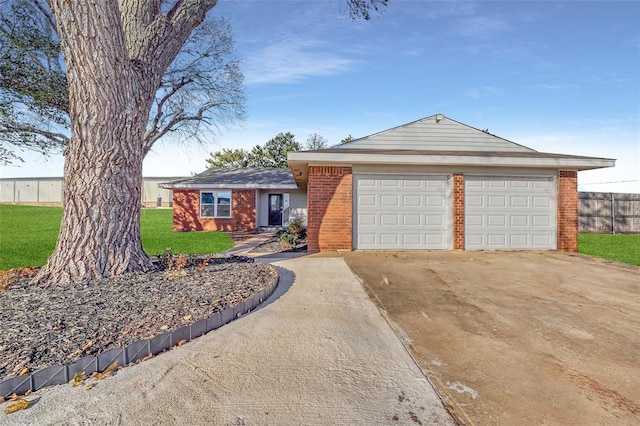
{"points": [[291, 60]]}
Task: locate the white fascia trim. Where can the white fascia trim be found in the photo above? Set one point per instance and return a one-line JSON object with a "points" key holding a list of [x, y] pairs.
{"points": [[452, 160], [227, 186]]}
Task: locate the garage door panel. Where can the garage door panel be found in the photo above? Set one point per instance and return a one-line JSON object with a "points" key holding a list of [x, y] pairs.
{"points": [[497, 201], [434, 220], [541, 240], [497, 220], [518, 220], [402, 212], [541, 202], [412, 220], [496, 184], [367, 238], [543, 221], [389, 183], [389, 201], [519, 240], [519, 184], [509, 213], [411, 183], [389, 239], [412, 200], [389, 220], [434, 201], [367, 200], [367, 219], [517, 201], [541, 184], [496, 240]]}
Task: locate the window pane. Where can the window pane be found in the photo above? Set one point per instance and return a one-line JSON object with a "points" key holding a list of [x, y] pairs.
{"points": [[206, 198], [224, 198], [224, 210], [206, 210]]}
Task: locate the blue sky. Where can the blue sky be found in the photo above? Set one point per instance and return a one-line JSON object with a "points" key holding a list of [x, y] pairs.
{"points": [[555, 76]]}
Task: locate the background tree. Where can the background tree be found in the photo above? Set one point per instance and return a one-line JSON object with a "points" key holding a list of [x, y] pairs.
{"points": [[346, 140], [201, 89], [315, 141], [231, 158], [116, 53], [272, 154], [33, 86]]}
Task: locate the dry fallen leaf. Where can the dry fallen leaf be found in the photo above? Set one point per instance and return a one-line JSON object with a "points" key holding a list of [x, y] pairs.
{"points": [[149, 356], [23, 372], [17, 405], [108, 372], [182, 342], [89, 386], [186, 317], [87, 345], [14, 397], [78, 378]]}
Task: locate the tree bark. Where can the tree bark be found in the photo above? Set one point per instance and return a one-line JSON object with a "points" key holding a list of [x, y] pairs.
{"points": [[115, 54]]}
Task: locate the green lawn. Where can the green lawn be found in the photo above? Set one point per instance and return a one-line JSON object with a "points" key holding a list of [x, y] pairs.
{"points": [[28, 235], [624, 248]]}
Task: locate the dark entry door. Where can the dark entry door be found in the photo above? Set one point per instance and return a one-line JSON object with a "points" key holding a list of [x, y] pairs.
{"points": [[275, 209]]}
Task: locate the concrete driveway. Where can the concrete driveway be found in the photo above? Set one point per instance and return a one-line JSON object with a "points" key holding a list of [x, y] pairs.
{"points": [[517, 337], [319, 353]]}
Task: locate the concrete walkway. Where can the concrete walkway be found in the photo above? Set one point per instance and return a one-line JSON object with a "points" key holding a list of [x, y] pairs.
{"points": [[319, 352], [242, 248]]}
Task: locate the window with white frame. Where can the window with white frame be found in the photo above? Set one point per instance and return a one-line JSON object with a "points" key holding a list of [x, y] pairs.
{"points": [[215, 204]]}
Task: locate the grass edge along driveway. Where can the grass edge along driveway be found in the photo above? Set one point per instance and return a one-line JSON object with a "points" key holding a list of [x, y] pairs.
{"points": [[28, 235]]}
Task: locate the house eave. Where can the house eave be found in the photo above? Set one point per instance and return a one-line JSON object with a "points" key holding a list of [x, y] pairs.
{"points": [[299, 162]]}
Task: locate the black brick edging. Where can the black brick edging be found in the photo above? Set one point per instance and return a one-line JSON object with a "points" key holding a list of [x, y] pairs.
{"points": [[61, 374]]}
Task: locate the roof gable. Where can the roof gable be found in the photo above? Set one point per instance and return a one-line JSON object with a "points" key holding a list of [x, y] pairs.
{"points": [[435, 133]]}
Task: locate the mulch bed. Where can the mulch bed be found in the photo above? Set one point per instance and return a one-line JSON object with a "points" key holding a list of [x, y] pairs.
{"points": [[45, 325]]}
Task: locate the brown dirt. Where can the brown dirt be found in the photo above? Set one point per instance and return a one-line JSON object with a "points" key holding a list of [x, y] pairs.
{"points": [[517, 337]]}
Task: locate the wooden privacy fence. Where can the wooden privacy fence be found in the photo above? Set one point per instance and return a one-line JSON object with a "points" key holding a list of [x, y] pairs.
{"points": [[609, 212]]}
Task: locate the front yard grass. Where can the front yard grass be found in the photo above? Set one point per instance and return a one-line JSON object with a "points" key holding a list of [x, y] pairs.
{"points": [[28, 235], [624, 248]]}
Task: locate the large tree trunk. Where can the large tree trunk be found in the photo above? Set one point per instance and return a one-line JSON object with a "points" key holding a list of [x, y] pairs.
{"points": [[115, 52], [110, 97]]}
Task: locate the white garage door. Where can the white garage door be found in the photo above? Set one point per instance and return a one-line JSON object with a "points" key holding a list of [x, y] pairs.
{"points": [[402, 212], [510, 213]]}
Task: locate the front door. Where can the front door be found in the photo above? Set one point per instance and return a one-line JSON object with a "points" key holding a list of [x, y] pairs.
{"points": [[275, 209]]}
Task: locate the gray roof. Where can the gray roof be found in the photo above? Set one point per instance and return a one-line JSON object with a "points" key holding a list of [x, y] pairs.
{"points": [[435, 133], [236, 178]]}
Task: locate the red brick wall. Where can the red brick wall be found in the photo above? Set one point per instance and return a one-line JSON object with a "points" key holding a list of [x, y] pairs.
{"points": [[186, 207], [567, 211], [458, 212], [330, 208]]}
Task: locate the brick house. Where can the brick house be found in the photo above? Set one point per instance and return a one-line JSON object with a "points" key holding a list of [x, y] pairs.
{"points": [[434, 183], [236, 199]]}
